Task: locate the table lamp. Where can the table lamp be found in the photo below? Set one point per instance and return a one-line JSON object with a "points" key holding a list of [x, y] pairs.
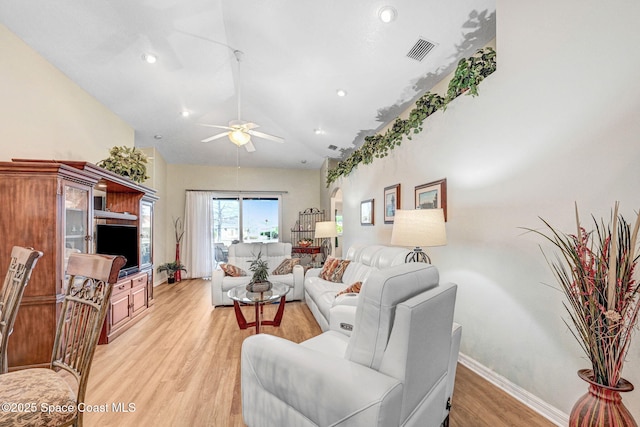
{"points": [[418, 228], [326, 230]]}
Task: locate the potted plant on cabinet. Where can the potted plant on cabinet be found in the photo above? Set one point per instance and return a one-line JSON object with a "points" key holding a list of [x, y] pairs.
{"points": [[128, 162], [171, 268]]}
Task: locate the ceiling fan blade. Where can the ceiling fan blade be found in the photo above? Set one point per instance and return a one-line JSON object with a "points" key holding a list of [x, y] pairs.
{"points": [[266, 136], [216, 126], [250, 147], [218, 136]]}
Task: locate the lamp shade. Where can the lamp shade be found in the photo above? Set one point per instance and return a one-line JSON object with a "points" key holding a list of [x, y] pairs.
{"points": [[238, 137], [326, 229], [420, 227]]}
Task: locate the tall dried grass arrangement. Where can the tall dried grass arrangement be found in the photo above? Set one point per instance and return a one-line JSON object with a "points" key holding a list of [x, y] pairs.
{"points": [[602, 294]]}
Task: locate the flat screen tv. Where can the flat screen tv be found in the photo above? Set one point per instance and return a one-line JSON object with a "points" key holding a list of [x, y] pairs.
{"points": [[116, 239]]}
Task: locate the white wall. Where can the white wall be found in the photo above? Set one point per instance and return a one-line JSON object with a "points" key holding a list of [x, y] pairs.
{"points": [[157, 172], [301, 187], [557, 123], [45, 115]]}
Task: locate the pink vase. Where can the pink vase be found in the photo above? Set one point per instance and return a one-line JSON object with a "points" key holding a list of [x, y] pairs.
{"points": [[602, 405]]}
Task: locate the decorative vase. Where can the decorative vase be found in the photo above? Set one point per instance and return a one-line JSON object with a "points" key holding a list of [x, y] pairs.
{"points": [[177, 274], [259, 286], [602, 405]]}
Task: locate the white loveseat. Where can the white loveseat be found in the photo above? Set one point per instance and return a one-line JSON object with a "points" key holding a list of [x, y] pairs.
{"points": [[320, 295], [396, 369], [241, 255]]}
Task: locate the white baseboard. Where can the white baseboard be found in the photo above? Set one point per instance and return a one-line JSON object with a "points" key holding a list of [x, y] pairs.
{"points": [[551, 413]]}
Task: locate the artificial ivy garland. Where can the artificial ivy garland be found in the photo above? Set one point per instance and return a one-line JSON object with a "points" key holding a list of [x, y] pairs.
{"points": [[468, 75]]}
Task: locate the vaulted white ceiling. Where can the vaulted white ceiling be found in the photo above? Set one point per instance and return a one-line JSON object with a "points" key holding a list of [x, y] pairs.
{"points": [[296, 55]]}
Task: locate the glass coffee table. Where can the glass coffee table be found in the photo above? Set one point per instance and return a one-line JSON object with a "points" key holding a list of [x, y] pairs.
{"points": [[240, 295]]}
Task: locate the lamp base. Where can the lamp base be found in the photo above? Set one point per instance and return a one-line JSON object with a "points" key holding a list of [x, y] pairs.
{"points": [[417, 255], [326, 248]]}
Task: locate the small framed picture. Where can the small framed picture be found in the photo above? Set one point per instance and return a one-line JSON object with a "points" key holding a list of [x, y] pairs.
{"points": [[366, 212], [432, 195], [391, 202]]}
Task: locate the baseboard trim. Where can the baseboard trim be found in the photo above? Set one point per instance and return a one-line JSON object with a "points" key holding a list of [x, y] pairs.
{"points": [[551, 413]]}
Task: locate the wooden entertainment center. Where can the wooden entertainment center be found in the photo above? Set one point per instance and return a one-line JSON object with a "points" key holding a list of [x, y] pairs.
{"points": [[51, 206]]}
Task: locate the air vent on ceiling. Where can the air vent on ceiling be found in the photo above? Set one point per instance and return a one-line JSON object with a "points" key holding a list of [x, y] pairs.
{"points": [[420, 49]]}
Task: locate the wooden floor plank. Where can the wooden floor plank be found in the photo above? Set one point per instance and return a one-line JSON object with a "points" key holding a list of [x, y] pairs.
{"points": [[180, 366]]}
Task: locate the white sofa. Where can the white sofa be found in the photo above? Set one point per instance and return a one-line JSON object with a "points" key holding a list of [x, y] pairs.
{"points": [[396, 369], [241, 255], [320, 295]]}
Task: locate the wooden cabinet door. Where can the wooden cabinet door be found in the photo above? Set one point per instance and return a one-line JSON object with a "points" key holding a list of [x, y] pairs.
{"points": [[139, 299], [120, 309], [138, 293]]}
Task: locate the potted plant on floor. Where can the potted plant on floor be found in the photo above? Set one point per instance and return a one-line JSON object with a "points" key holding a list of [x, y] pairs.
{"points": [[260, 279], [171, 268], [595, 270]]}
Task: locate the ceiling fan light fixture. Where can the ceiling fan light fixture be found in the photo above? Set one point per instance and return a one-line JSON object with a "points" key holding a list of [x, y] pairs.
{"points": [[149, 58], [238, 137]]}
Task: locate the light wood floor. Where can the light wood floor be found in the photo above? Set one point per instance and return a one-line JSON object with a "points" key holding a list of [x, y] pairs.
{"points": [[180, 366]]}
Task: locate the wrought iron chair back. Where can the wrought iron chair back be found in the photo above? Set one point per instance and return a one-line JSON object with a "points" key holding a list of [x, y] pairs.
{"points": [[83, 311], [21, 264]]}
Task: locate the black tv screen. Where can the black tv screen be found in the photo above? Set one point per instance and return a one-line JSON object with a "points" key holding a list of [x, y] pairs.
{"points": [[116, 239]]}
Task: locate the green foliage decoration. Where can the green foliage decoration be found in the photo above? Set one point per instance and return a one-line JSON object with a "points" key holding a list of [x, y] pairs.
{"points": [[260, 269], [128, 162], [468, 75], [171, 268]]}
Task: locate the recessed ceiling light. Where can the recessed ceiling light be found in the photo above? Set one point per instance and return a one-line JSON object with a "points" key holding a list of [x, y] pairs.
{"points": [[304, 162], [150, 58], [185, 113], [341, 92], [387, 14], [157, 136], [318, 131]]}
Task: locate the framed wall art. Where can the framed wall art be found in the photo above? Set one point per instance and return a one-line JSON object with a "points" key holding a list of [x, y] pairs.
{"points": [[366, 212], [391, 202], [432, 195]]}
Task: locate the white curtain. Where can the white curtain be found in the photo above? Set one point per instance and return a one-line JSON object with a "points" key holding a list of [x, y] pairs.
{"points": [[198, 239]]}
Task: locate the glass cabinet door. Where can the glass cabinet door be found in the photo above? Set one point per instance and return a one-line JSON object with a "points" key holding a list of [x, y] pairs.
{"points": [[146, 233], [76, 227], [77, 232]]}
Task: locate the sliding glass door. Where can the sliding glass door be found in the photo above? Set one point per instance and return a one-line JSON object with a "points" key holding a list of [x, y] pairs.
{"points": [[244, 218], [260, 219]]}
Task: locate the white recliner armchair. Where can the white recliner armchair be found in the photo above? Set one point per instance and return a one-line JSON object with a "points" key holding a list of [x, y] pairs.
{"points": [[396, 369]]}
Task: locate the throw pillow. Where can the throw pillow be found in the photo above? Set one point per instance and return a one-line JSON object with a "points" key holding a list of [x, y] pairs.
{"points": [[286, 266], [232, 270], [353, 289], [333, 269]]}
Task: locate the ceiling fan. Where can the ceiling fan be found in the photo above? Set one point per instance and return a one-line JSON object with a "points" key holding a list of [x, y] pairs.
{"points": [[239, 131]]}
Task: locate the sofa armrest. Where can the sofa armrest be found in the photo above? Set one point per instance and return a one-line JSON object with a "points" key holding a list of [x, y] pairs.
{"points": [[342, 318], [298, 282], [350, 299], [313, 272], [335, 391], [217, 276]]}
